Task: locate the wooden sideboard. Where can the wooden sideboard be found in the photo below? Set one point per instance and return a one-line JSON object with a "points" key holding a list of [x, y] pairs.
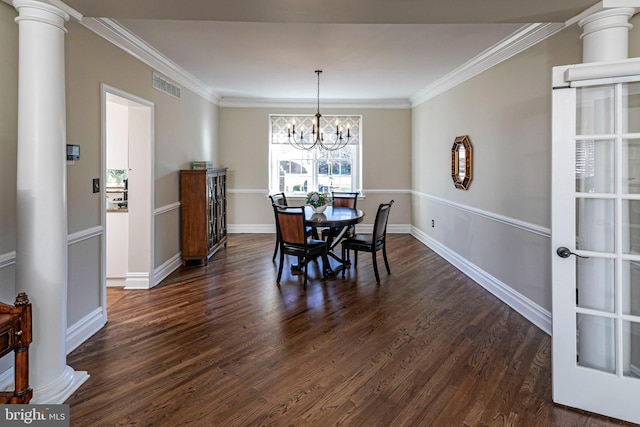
{"points": [[203, 212], [15, 334]]}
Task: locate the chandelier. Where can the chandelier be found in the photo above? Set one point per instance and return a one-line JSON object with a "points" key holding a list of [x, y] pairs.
{"points": [[315, 138]]}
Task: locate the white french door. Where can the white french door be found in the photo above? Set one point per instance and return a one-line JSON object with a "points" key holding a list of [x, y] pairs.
{"points": [[596, 238]]}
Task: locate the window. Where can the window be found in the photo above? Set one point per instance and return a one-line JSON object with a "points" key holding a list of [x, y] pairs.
{"points": [[296, 171]]}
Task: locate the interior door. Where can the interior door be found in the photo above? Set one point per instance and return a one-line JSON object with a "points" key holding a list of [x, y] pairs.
{"points": [[596, 239]]}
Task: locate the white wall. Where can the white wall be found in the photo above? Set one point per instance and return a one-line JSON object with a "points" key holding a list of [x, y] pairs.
{"points": [[117, 135]]}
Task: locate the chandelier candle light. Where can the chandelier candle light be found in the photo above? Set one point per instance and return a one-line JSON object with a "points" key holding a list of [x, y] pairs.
{"points": [[317, 137]]}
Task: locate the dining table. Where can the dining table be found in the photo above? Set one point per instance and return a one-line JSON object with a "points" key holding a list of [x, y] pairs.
{"points": [[337, 220]]}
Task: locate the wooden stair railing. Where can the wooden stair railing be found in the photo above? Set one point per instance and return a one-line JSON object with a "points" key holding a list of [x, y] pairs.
{"points": [[15, 334]]}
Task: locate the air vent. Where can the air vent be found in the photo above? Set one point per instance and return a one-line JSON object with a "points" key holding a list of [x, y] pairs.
{"points": [[166, 86]]}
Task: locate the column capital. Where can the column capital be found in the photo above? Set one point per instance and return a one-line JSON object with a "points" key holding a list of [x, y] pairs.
{"points": [[605, 34], [38, 11], [607, 19]]}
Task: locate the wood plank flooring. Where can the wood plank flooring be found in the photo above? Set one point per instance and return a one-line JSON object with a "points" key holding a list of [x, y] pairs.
{"points": [[224, 345]]}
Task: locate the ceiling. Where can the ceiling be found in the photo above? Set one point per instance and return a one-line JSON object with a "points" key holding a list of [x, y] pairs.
{"points": [[367, 49]]}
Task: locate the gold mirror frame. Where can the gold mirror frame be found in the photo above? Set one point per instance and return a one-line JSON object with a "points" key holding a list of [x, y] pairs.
{"points": [[461, 162]]}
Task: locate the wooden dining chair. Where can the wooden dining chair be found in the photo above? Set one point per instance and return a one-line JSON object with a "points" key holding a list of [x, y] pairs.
{"points": [[344, 199], [277, 199], [293, 240], [341, 199], [371, 242]]}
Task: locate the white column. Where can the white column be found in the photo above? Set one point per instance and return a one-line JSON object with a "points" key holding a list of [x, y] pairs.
{"points": [[605, 35], [41, 247]]}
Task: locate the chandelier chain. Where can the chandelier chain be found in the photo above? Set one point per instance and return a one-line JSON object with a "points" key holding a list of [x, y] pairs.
{"points": [[316, 139]]}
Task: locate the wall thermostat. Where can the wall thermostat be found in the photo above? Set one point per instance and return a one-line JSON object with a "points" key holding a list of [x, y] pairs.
{"points": [[73, 152]]}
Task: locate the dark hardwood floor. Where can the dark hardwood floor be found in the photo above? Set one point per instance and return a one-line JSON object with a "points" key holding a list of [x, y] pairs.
{"points": [[224, 345]]}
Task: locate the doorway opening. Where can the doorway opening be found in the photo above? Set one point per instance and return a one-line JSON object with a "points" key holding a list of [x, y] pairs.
{"points": [[127, 174]]}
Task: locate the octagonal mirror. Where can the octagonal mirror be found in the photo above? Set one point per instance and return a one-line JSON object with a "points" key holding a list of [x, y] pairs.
{"points": [[461, 162]]}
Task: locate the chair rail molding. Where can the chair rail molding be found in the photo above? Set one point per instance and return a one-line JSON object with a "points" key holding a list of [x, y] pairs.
{"points": [[166, 208], [523, 225], [7, 259], [85, 234]]}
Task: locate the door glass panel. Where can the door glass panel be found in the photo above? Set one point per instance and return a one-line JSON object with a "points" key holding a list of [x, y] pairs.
{"points": [[631, 336], [631, 288], [596, 343], [631, 166], [594, 110], [631, 227], [594, 225], [595, 166], [631, 107], [595, 283]]}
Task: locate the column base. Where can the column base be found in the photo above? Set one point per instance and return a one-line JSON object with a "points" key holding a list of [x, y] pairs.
{"points": [[61, 389]]}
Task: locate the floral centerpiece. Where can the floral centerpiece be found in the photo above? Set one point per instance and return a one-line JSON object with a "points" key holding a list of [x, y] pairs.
{"points": [[318, 201]]}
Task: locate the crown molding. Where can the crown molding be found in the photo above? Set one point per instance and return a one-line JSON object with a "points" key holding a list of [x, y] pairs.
{"points": [[112, 31], [524, 38], [73, 14], [313, 103]]}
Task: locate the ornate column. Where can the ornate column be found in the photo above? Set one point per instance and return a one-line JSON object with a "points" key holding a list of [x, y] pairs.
{"points": [[41, 203]]}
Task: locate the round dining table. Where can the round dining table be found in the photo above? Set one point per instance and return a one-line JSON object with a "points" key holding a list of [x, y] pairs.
{"points": [[337, 220]]}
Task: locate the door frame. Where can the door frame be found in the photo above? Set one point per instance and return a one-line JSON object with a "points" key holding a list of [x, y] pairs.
{"points": [[142, 277]]}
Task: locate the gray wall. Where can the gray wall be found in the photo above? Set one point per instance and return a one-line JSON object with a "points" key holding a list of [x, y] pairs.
{"points": [[501, 224], [386, 154], [185, 130], [8, 129]]}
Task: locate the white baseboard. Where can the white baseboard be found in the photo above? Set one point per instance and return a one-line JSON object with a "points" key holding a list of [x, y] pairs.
{"points": [[56, 393], [171, 265], [251, 228], [270, 228], [85, 328], [523, 305], [61, 389], [137, 281]]}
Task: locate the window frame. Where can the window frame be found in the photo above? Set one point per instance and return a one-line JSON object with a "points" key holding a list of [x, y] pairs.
{"points": [[356, 157]]}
